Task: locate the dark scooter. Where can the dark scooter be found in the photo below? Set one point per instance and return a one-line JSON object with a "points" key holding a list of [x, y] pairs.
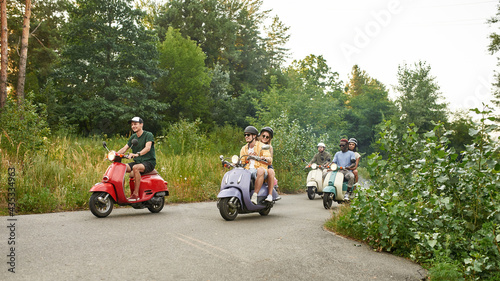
{"points": [[236, 189], [111, 190]]}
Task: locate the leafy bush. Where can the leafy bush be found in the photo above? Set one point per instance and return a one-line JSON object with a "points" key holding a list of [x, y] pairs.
{"points": [[23, 127], [183, 137], [291, 144], [431, 204]]}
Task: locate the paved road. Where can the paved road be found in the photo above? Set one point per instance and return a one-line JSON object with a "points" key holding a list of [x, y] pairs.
{"points": [[193, 242]]}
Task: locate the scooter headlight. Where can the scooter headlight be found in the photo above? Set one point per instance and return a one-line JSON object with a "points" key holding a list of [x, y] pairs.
{"points": [[235, 159], [314, 166], [333, 166], [111, 155]]}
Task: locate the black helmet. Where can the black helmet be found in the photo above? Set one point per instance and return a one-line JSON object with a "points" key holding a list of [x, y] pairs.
{"points": [[269, 130], [251, 130]]}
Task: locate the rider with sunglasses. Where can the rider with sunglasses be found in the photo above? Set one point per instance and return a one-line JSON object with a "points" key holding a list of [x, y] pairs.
{"points": [[266, 135], [345, 159], [257, 168]]}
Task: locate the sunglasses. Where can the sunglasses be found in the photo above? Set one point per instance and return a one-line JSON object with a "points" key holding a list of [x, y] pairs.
{"points": [[342, 145], [266, 137], [246, 135]]}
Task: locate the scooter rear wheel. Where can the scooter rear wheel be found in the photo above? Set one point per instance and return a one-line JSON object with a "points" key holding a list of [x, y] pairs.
{"points": [[156, 208], [100, 208], [226, 211], [265, 212]]}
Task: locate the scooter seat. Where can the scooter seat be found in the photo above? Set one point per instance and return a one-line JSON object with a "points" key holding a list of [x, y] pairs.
{"points": [[153, 172]]}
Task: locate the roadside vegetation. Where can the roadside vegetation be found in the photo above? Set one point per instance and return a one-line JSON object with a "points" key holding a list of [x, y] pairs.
{"points": [[55, 172], [434, 205], [197, 79]]}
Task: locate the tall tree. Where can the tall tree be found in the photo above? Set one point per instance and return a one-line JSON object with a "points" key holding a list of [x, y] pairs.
{"points": [[277, 37], [228, 33], [368, 105], [207, 22], [358, 80], [419, 100], [185, 83], [312, 95], [108, 68], [493, 48], [4, 54], [24, 53], [48, 19]]}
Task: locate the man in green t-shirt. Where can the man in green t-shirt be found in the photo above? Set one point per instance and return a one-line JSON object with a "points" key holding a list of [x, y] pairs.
{"points": [[143, 154]]}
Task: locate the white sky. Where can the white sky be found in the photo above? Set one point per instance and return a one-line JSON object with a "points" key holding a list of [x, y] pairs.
{"points": [[378, 35]]}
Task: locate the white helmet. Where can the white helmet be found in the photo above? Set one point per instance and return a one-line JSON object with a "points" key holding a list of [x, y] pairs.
{"points": [[321, 144]]}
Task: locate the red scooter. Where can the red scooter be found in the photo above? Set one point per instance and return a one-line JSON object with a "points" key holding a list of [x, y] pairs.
{"points": [[111, 190]]}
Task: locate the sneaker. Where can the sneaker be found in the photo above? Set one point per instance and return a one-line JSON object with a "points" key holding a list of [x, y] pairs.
{"points": [[278, 198], [269, 198], [346, 196], [133, 198], [254, 198]]}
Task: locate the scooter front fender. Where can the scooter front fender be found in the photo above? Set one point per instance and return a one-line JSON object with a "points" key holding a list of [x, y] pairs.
{"points": [[330, 189], [312, 184], [104, 187], [229, 192]]}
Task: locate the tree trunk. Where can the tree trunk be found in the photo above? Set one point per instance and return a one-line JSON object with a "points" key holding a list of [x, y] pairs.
{"points": [[4, 54], [24, 53]]}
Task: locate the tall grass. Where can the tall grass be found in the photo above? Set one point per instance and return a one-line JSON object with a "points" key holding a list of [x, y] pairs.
{"points": [[58, 176]]}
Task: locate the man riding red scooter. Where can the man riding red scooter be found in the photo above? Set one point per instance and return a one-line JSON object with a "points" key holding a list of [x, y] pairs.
{"points": [[143, 154], [146, 185]]}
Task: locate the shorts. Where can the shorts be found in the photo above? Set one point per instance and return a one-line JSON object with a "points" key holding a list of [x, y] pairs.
{"points": [[148, 166], [253, 171]]}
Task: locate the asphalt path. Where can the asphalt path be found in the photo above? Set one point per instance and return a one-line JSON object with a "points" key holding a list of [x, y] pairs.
{"points": [[192, 242]]}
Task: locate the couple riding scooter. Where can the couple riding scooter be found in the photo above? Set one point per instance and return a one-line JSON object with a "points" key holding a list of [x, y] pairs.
{"points": [[321, 165], [244, 189]]}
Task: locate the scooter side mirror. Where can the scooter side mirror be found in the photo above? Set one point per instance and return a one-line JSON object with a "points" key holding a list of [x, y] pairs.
{"points": [[135, 142], [104, 145]]}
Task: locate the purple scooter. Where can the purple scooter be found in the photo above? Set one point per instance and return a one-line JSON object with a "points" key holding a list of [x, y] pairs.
{"points": [[236, 188]]}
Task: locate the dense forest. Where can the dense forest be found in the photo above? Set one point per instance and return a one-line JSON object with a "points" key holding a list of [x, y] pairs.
{"points": [[92, 64]]}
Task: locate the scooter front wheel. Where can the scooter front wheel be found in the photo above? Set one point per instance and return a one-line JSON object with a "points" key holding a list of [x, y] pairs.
{"points": [[227, 211], [310, 193], [99, 205], [327, 200]]}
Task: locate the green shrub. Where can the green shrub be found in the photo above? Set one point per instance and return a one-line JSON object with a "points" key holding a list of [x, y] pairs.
{"points": [[430, 204], [23, 127], [291, 144], [445, 271]]}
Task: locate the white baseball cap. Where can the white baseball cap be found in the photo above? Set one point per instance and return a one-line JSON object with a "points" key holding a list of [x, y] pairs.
{"points": [[136, 119]]}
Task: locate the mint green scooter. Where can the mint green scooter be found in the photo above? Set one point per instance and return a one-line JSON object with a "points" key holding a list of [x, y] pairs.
{"points": [[334, 187]]}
